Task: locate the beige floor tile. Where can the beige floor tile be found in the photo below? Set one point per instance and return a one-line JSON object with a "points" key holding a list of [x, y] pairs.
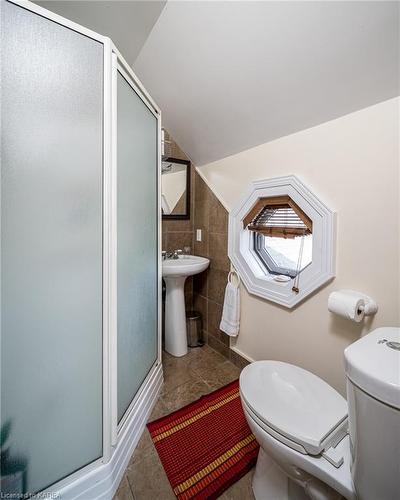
{"points": [[212, 356], [196, 355], [219, 375], [124, 491], [147, 478], [241, 490], [185, 394], [176, 372], [209, 360], [159, 411], [145, 442]]}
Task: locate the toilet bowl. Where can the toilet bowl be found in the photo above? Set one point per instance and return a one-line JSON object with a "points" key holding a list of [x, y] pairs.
{"points": [[295, 416], [302, 426]]}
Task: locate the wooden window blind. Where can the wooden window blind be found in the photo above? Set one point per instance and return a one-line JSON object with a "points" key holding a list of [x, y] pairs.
{"points": [[278, 217]]}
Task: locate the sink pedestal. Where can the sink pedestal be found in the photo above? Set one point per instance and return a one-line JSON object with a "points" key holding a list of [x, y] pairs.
{"points": [[175, 316], [175, 272]]}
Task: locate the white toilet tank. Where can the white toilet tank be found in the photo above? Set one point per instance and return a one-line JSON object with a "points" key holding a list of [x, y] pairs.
{"points": [[373, 393]]}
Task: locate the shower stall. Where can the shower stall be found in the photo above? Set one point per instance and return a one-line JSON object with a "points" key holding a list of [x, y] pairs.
{"points": [[80, 257]]}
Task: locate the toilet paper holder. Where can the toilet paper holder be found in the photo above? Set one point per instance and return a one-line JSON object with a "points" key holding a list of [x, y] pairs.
{"points": [[370, 307], [351, 304]]}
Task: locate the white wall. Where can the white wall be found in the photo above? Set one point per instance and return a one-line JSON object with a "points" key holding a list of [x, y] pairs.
{"points": [[352, 164]]}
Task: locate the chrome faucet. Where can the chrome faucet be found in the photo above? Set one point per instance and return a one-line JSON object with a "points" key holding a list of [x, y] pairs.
{"points": [[172, 255]]}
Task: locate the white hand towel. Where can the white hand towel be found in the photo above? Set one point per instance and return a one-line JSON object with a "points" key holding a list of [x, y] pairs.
{"points": [[231, 312]]}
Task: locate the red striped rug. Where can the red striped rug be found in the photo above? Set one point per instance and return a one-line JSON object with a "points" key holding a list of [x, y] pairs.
{"points": [[206, 446]]}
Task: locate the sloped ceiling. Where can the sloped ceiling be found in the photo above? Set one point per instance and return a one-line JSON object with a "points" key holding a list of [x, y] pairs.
{"points": [[232, 75], [127, 23]]}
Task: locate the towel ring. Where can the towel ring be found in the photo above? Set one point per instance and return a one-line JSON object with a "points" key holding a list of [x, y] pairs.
{"points": [[230, 276]]}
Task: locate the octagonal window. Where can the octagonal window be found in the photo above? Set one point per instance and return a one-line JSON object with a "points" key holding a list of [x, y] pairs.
{"points": [[281, 240]]}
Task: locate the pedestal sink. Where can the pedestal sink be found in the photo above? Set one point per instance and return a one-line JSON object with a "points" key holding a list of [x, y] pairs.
{"points": [[175, 272]]}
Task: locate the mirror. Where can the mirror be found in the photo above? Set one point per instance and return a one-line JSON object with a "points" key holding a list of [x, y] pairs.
{"points": [[175, 188]]}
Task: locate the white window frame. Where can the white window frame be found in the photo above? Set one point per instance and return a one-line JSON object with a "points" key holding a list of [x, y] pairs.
{"points": [[241, 244]]}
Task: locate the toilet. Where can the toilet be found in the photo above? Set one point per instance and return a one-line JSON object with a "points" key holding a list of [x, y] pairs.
{"points": [[315, 444]]}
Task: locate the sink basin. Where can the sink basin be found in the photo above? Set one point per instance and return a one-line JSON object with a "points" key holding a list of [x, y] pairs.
{"points": [[186, 265], [175, 272]]}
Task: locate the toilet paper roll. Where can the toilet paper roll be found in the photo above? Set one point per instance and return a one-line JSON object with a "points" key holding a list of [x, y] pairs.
{"points": [[347, 304]]}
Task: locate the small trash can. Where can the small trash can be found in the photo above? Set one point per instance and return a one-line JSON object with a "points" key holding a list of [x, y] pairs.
{"points": [[194, 329]]}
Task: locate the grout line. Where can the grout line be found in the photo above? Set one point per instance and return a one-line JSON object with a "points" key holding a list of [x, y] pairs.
{"points": [[130, 486]]}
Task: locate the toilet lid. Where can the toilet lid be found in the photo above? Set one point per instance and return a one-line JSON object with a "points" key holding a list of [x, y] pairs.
{"points": [[294, 402]]}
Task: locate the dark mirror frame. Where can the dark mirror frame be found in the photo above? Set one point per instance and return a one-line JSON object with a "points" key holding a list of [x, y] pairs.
{"points": [[186, 215]]}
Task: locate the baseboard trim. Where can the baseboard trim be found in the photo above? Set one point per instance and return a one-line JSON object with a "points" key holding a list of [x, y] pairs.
{"points": [[102, 482], [242, 354]]}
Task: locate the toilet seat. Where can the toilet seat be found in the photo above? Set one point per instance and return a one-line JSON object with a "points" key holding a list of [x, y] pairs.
{"points": [[331, 441], [293, 462], [294, 406], [300, 422]]}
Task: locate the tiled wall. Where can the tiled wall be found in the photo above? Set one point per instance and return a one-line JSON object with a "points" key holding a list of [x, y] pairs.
{"points": [[204, 292], [209, 287]]}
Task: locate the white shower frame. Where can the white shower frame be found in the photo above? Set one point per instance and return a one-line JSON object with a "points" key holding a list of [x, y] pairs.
{"points": [[100, 479]]}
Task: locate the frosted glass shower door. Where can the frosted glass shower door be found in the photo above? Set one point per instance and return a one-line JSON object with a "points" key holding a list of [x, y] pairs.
{"points": [[137, 222], [51, 250]]}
